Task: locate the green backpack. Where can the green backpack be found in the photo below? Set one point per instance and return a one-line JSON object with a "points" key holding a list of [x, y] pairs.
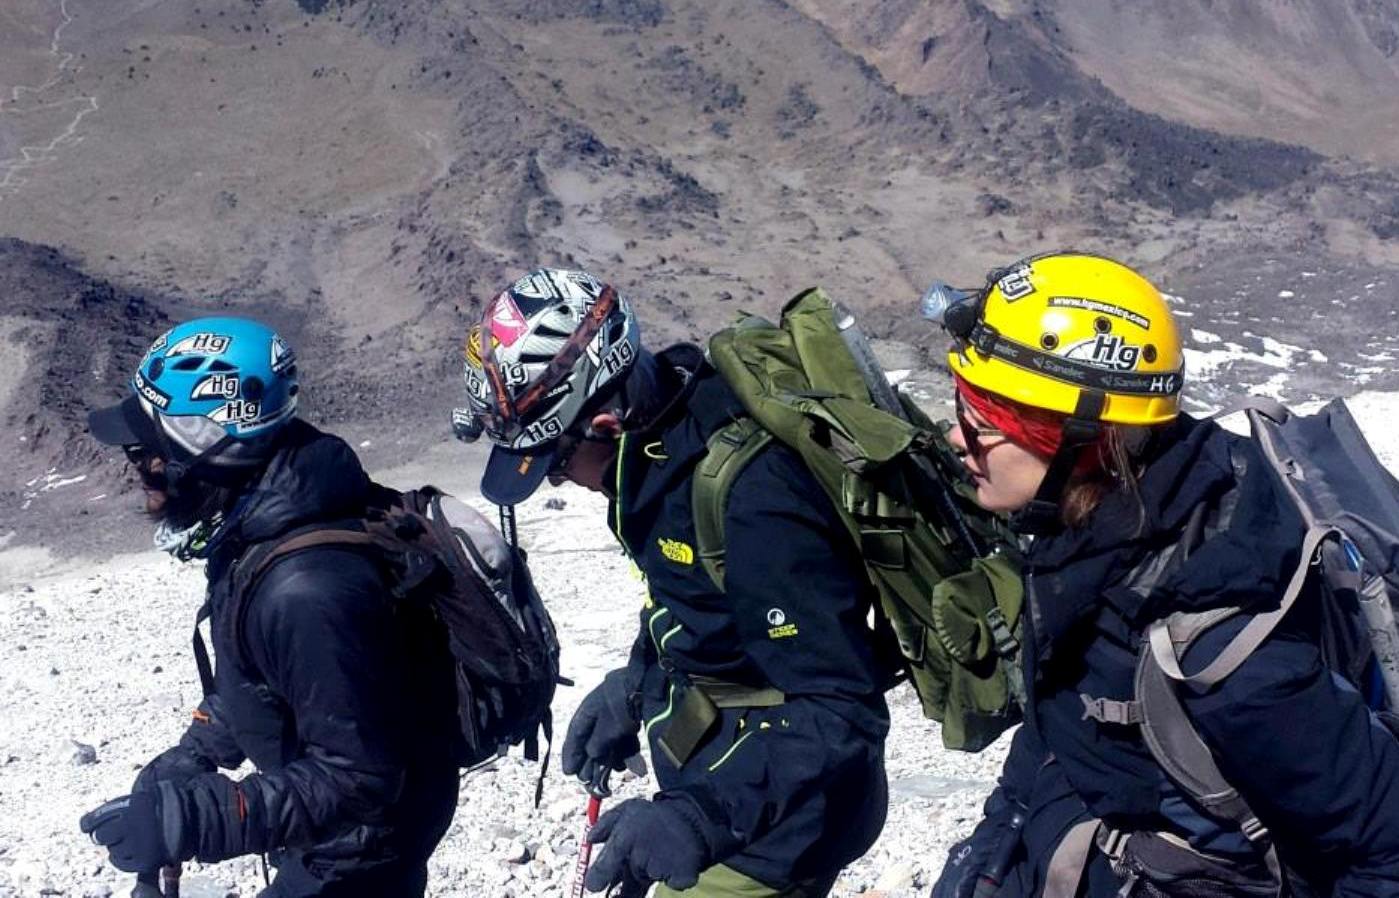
{"points": [[812, 384]]}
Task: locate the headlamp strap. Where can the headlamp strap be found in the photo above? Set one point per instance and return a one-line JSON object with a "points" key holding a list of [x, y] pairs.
{"points": [[983, 337]]}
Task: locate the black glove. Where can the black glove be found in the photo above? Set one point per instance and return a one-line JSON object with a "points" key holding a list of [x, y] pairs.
{"points": [[176, 765], [965, 861], [979, 862], [603, 732], [650, 841], [134, 831]]}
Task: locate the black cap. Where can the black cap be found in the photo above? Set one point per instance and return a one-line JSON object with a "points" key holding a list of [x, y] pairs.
{"points": [[123, 424], [512, 475]]}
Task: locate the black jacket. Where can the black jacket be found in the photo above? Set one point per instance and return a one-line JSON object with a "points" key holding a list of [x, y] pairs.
{"points": [[1299, 744], [343, 701], [795, 791]]}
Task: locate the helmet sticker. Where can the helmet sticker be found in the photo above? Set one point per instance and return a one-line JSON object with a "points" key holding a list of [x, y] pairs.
{"points": [[149, 391], [203, 343], [472, 350], [282, 356], [476, 386], [1015, 283], [217, 386], [548, 428], [513, 374], [507, 324], [237, 411], [617, 360], [1105, 308], [560, 391], [160, 343], [537, 285], [1107, 351]]}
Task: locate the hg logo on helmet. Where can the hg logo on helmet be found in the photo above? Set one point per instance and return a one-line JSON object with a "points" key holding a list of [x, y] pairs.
{"points": [[1106, 351]]}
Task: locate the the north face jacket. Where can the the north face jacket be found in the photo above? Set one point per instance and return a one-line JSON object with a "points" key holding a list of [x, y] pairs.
{"points": [[797, 789]]}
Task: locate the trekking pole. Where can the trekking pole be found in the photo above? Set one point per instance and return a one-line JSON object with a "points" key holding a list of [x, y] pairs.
{"points": [[886, 399], [597, 791]]}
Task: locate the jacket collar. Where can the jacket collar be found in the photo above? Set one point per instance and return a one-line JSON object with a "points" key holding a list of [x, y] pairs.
{"points": [[1210, 531], [659, 458], [312, 477]]}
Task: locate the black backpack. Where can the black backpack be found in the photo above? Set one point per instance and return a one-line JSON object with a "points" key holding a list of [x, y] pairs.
{"points": [[440, 552], [1349, 562]]}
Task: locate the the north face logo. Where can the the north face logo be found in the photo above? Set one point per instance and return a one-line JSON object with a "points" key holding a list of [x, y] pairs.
{"points": [[676, 551]]}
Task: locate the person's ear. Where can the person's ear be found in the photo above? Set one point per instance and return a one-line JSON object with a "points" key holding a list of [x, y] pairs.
{"points": [[606, 424]]}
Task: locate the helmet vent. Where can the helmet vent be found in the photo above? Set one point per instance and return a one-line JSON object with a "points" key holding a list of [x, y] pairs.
{"points": [[1049, 341], [1149, 352], [221, 365], [190, 364]]}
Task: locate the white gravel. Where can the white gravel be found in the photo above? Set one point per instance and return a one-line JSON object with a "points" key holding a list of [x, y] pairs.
{"points": [[96, 661], [100, 657]]}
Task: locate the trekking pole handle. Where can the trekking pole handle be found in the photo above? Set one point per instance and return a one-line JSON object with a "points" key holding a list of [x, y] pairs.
{"points": [[598, 785]]}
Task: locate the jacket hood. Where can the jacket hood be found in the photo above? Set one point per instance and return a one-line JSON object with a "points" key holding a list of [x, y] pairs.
{"points": [[313, 476], [1211, 530]]}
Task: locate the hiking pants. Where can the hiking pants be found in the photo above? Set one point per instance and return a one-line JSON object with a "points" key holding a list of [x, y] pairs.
{"points": [[725, 882]]}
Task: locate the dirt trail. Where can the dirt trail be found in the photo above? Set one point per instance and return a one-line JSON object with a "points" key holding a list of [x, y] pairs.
{"points": [[32, 155]]}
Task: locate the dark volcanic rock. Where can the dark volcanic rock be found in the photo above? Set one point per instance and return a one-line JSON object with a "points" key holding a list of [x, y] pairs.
{"points": [[707, 89], [1178, 167]]}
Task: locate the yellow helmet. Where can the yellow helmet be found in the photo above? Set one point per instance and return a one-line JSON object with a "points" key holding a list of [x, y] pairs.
{"points": [[1071, 331]]}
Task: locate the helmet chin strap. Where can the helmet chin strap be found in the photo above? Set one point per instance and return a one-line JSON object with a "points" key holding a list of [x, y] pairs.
{"points": [[1043, 514], [177, 471]]}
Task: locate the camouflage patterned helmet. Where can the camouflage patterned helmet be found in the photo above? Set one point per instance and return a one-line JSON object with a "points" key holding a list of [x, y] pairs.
{"points": [[548, 349]]}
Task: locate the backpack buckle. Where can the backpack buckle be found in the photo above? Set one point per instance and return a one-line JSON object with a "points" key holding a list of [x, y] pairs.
{"points": [[1106, 710]]}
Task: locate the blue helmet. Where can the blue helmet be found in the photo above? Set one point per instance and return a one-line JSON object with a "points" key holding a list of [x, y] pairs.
{"points": [[210, 391]]}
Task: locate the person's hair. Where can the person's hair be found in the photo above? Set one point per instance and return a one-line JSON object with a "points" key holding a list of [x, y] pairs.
{"points": [[1121, 454]]}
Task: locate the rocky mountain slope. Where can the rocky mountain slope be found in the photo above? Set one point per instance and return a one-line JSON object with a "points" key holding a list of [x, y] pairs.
{"points": [[364, 173]]}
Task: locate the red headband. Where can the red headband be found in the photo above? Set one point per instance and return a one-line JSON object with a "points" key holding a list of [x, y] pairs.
{"points": [[1035, 429]]}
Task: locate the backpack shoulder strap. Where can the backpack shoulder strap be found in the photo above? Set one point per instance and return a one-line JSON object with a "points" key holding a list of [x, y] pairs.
{"points": [[727, 452], [261, 559], [1162, 641], [1177, 746], [250, 568]]}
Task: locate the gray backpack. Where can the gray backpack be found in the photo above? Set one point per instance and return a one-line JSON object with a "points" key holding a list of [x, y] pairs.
{"points": [[1349, 558]]}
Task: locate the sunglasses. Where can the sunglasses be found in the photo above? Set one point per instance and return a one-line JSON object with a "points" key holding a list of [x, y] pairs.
{"points": [[975, 434], [569, 444]]}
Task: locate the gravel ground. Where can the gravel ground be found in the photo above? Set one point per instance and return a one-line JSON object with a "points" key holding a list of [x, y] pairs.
{"points": [[96, 678]]}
